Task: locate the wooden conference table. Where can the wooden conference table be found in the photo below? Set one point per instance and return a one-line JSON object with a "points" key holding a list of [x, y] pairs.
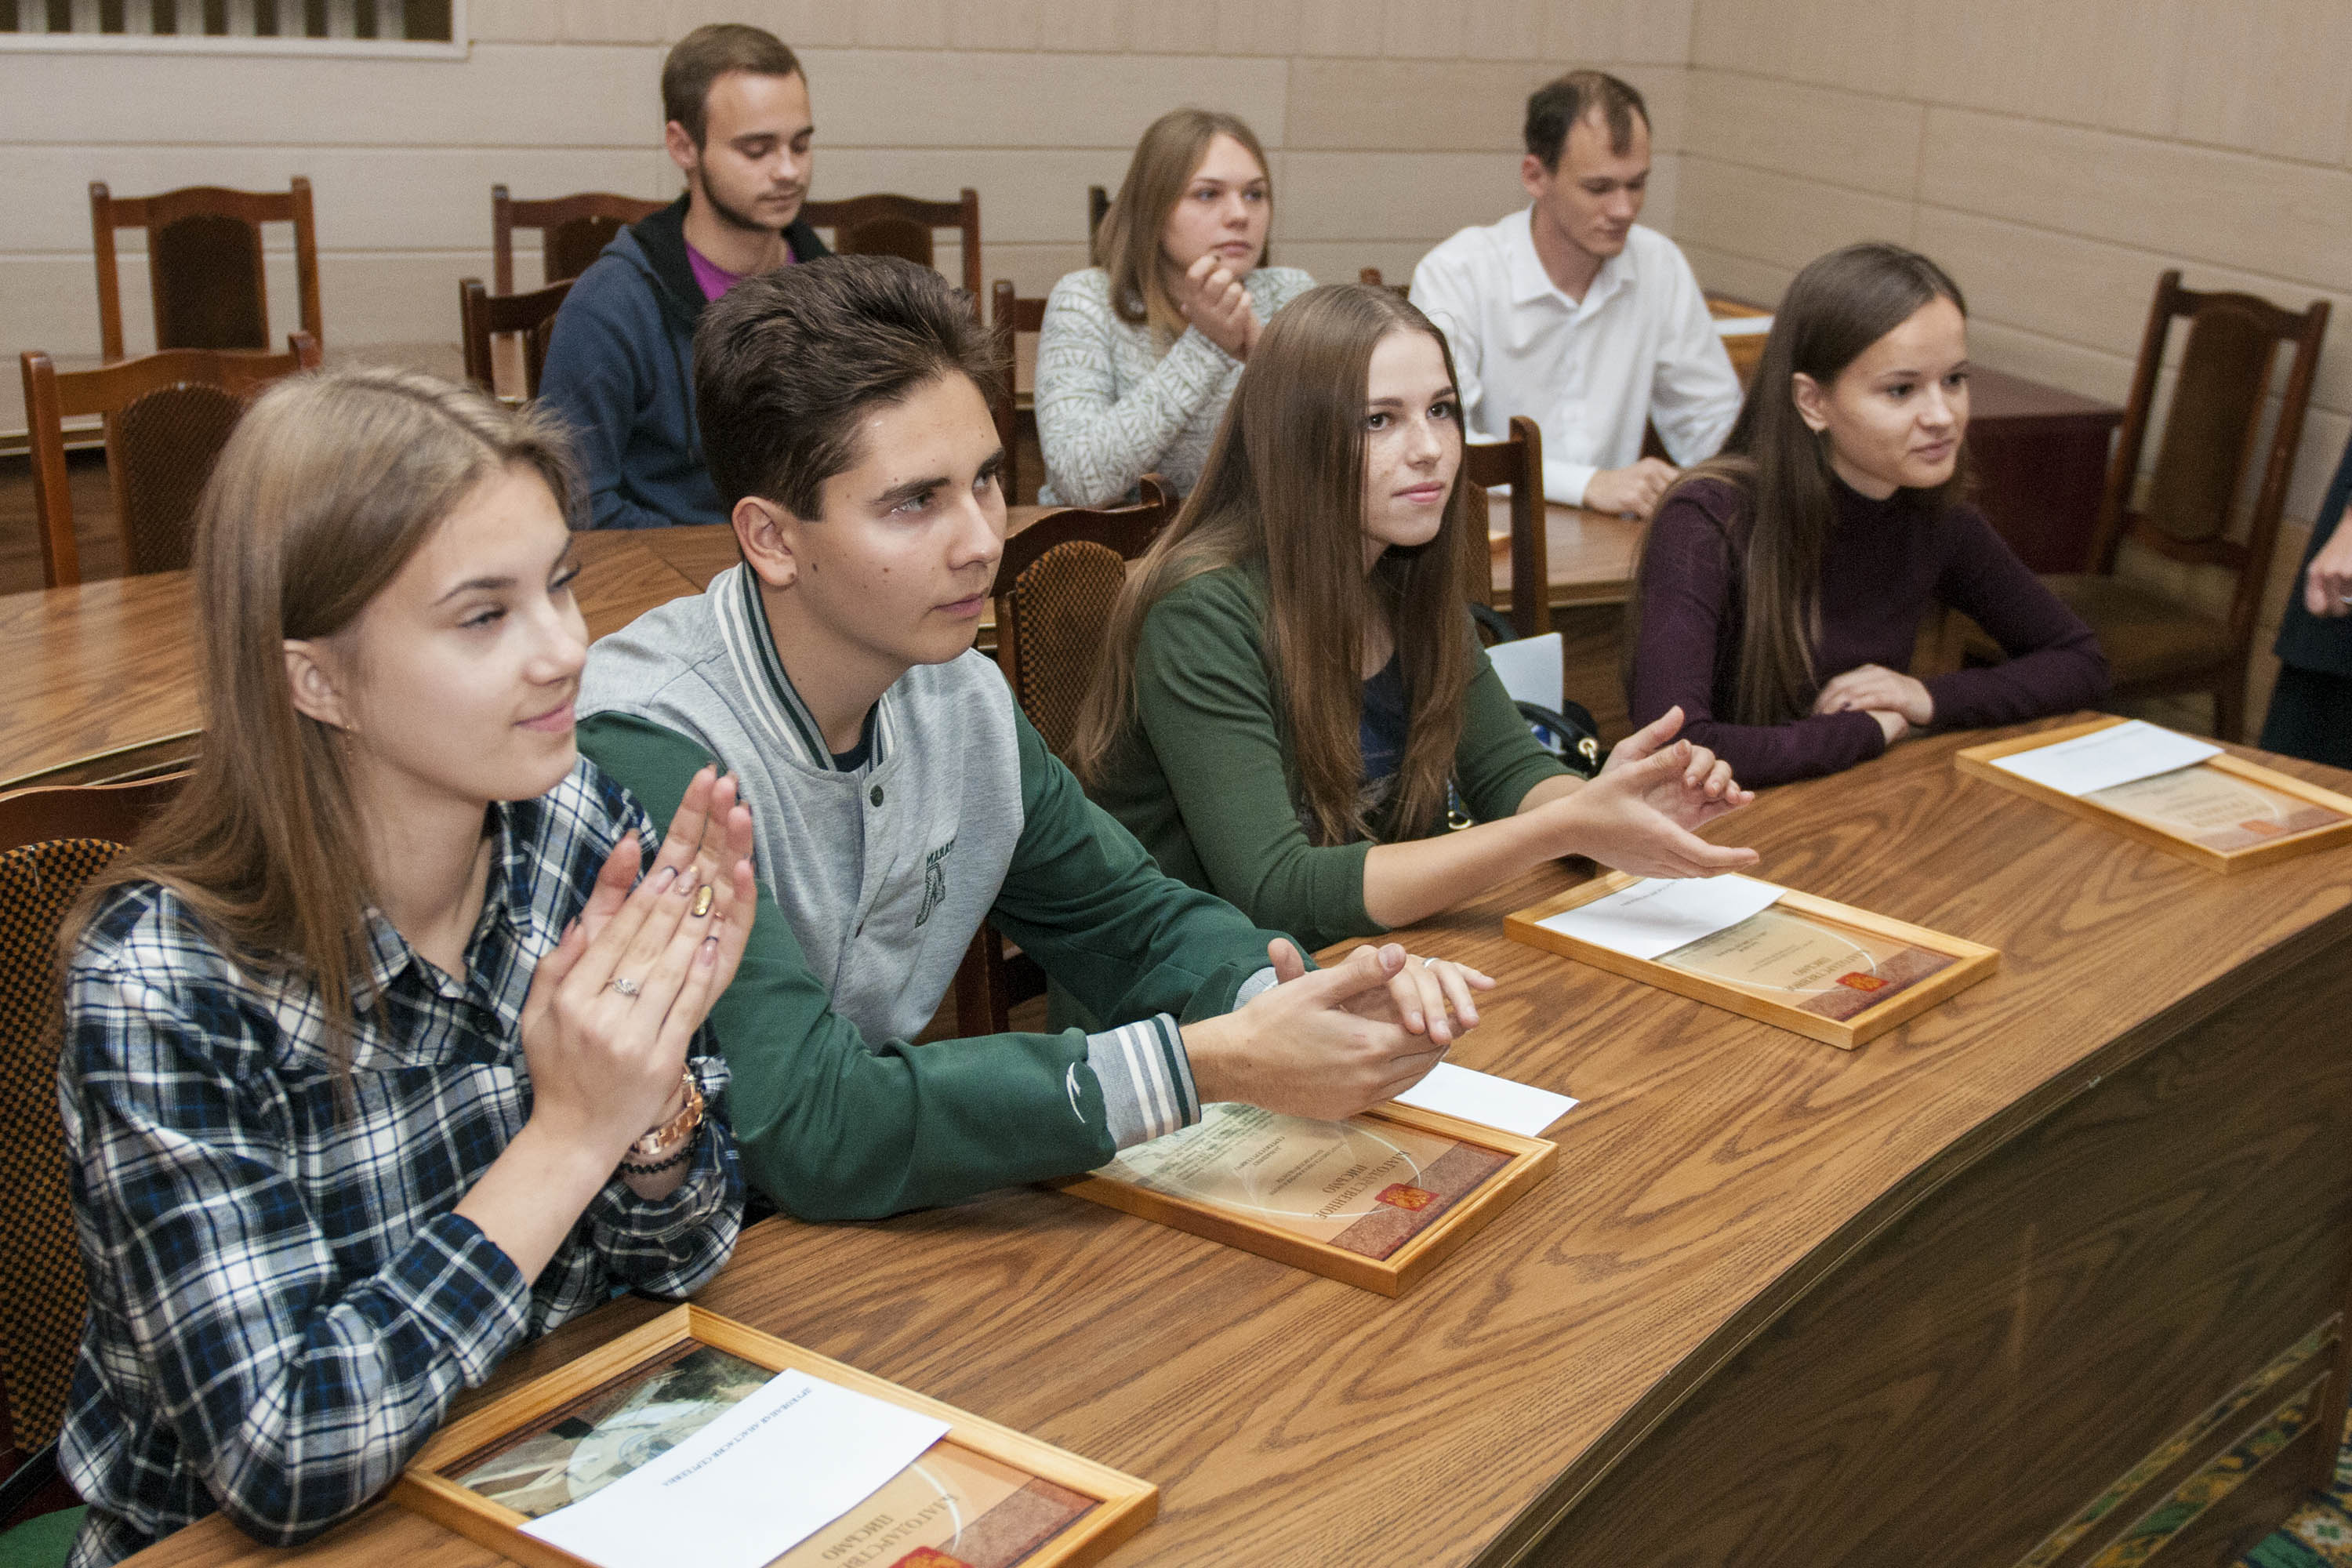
{"points": [[1776, 1304], [103, 685]]}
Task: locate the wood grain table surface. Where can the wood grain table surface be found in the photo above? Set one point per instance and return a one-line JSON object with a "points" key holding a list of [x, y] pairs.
{"points": [[1716, 1172], [107, 669]]}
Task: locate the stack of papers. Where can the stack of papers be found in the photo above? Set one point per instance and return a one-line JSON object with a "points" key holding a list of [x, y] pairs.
{"points": [[2118, 755]]}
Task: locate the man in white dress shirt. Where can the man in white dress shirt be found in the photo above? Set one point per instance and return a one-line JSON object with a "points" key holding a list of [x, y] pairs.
{"points": [[1572, 313]]}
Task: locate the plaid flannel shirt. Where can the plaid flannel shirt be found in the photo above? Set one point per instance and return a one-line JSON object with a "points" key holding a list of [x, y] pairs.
{"points": [[282, 1301]]}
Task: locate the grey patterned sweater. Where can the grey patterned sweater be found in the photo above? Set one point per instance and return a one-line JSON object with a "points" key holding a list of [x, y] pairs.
{"points": [[1111, 407]]}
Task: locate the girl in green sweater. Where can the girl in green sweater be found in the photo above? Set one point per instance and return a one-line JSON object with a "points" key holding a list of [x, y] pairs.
{"points": [[1291, 680]]}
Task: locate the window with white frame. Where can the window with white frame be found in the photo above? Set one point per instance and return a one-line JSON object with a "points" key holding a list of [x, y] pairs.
{"points": [[391, 27]]}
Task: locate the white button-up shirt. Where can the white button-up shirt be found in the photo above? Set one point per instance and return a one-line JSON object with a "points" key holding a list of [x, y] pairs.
{"points": [[1639, 348]]}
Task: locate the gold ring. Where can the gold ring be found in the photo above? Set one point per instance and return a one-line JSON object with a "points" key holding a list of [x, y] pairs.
{"points": [[702, 901]]}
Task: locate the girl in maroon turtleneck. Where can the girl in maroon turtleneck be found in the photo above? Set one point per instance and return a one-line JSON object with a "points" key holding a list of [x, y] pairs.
{"points": [[1782, 584]]}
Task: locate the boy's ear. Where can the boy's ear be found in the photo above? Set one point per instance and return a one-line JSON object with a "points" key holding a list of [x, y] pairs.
{"points": [[770, 539]]}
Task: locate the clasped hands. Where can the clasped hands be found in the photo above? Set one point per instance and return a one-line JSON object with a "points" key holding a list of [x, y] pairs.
{"points": [[1211, 297], [1900, 703], [614, 1007]]}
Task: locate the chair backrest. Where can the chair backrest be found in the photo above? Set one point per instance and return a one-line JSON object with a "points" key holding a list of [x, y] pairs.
{"points": [[167, 416], [1517, 462], [57, 840], [1371, 276], [204, 264], [573, 230], [1098, 209], [482, 315], [2211, 435], [902, 226], [1009, 316], [1054, 589]]}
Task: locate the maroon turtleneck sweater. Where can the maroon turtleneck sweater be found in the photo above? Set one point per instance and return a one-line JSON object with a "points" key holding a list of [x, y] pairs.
{"points": [[1886, 563]]}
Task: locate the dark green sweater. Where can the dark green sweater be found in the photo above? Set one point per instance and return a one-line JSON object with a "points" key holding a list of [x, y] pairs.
{"points": [[1203, 777]]}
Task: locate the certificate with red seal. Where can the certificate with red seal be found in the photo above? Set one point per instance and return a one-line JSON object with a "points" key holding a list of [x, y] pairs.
{"points": [[1375, 1200], [1826, 970]]}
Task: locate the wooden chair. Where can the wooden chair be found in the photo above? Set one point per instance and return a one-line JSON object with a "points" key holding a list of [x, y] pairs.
{"points": [[1055, 588], [1011, 315], [1098, 209], [482, 315], [2154, 644], [167, 416], [1519, 463], [573, 230], [204, 264], [55, 840], [1371, 277], [902, 226]]}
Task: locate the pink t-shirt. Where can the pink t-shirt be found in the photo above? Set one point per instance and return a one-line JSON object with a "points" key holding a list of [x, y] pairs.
{"points": [[715, 279]]}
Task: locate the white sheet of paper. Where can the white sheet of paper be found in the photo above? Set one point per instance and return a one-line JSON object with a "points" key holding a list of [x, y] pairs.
{"points": [[1530, 669], [1656, 915], [749, 1487], [1488, 1101], [1742, 326], [2129, 751]]}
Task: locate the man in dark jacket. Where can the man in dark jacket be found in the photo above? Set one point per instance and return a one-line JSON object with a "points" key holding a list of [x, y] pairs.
{"points": [[620, 363]]}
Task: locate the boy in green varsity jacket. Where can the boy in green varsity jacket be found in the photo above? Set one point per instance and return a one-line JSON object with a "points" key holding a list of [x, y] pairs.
{"points": [[899, 798]]}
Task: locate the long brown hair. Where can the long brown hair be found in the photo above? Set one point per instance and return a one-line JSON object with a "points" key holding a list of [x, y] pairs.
{"points": [[328, 485], [1835, 310], [1284, 490], [1128, 244]]}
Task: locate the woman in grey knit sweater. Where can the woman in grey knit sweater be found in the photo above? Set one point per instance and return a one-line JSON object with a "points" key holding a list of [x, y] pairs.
{"points": [[1139, 352]]}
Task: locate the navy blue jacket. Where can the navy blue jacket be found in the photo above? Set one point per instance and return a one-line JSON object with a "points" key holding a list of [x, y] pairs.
{"points": [[2305, 640], [620, 373]]}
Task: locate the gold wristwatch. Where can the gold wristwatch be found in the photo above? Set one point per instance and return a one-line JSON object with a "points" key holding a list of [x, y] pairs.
{"points": [[670, 1144]]}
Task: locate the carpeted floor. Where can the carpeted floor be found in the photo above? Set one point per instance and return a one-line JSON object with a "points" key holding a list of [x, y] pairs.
{"points": [[2317, 1535]]}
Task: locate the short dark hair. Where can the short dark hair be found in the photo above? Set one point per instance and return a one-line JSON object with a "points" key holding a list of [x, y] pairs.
{"points": [[709, 52], [1555, 107], [787, 363]]}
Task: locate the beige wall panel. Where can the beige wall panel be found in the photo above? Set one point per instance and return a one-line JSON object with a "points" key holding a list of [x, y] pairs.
{"points": [[1819, 134], [1416, 30], [1739, 35], [900, 23], [1657, 32], [2289, 220], [1396, 195], [2105, 62], [1023, 196], [1252, 26], [503, 95], [2087, 371], [1863, 45], [1740, 277], [1411, 106], [863, 97], [1771, 217], [1338, 30], [1503, 29], [617, 21], [802, 24], [1034, 268], [50, 303], [1340, 260], [1666, 90], [2296, 50], [1097, 26], [514, 21], [365, 198]]}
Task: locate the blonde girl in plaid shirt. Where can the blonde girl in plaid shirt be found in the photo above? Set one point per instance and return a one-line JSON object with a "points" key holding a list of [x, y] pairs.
{"points": [[359, 1035]]}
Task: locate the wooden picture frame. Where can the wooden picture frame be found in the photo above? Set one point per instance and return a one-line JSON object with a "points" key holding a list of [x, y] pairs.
{"points": [[1523, 1160], [1968, 963], [1120, 1504], [1978, 763]]}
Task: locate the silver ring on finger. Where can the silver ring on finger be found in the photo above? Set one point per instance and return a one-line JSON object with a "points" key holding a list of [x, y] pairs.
{"points": [[1429, 960], [624, 986]]}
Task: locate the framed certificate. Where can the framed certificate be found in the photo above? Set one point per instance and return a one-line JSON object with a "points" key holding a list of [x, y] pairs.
{"points": [[2223, 813], [1838, 975], [983, 1496], [1375, 1201]]}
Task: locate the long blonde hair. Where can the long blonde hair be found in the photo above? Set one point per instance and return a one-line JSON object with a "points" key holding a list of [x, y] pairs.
{"points": [[1284, 489], [1128, 244], [328, 485]]}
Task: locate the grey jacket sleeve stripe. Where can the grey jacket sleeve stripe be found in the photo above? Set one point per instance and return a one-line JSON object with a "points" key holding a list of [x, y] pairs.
{"points": [[1147, 1081]]}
